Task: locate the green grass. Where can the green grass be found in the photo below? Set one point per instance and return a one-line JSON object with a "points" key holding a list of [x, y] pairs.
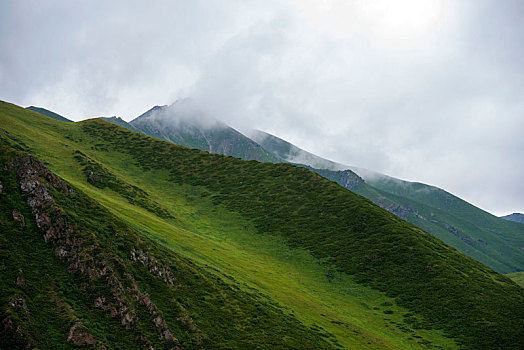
{"points": [[517, 277], [470, 230], [493, 241], [328, 256], [200, 309]]}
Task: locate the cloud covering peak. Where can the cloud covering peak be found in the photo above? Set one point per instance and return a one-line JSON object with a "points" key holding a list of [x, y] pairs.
{"points": [[423, 90]]}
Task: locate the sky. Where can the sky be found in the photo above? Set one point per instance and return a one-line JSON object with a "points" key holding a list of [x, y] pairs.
{"points": [[423, 90]]}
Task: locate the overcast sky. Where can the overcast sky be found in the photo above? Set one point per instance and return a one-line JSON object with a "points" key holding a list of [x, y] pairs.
{"points": [[430, 91]]}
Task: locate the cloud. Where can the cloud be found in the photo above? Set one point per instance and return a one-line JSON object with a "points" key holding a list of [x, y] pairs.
{"points": [[422, 90]]}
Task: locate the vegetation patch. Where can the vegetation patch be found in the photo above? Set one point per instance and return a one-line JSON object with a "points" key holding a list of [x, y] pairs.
{"points": [[100, 177]]}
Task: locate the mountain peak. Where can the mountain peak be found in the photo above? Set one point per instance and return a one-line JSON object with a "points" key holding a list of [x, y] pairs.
{"points": [[183, 112], [188, 124], [517, 217]]}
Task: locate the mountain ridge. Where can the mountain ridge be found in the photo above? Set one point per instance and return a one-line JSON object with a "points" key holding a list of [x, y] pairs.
{"points": [[460, 224], [49, 114], [346, 233], [516, 217]]}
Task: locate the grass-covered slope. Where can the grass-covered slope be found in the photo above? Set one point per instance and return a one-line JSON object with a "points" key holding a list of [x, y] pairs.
{"points": [[517, 277], [49, 114], [73, 274], [452, 291], [219, 240], [471, 230], [253, 221], [496, 242]]}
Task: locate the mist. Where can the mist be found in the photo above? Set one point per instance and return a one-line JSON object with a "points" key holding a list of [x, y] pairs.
{"points": [[427, 91]]}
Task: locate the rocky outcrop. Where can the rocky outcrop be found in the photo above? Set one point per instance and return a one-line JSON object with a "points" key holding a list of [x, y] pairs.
{"points": [[154, 266], [18, 303], [19, 217], [78, 336], [82, 254], [398, 210], [20, 281]]}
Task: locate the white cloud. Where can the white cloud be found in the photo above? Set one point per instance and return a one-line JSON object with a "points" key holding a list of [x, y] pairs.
{"points": [[423, 90]]}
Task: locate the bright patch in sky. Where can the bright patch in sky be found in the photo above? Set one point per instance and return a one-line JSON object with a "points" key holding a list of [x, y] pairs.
{"points": [[404, 20]]}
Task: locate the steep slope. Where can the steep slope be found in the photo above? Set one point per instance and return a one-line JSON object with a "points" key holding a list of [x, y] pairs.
{"points": [[74, 274], [49, 114], [516, 217], [293, 154], [184, 124], [465, 227], [478, 229], [471, 230], [225, 207]]}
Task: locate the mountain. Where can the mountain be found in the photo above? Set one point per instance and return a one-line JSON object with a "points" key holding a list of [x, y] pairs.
{"points": [[516, 217], [82, 277], [293, 154], [49, 114], [471, 230], [100, 219], [185, 124]]}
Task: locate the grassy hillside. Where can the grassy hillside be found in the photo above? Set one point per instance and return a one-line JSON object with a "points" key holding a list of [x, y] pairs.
{"points": [[517, 277], [480, 232], [73, 274], [341, 264], [495, 250], [471, 230]]}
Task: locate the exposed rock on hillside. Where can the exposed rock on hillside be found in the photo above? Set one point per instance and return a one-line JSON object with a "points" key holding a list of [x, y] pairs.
{"points": [[82, 254]]}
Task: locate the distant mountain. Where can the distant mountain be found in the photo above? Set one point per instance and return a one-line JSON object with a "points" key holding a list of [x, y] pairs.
{"points": [[121, 122], [291, 153], [49, 114], [185, 124], [517, 217], [491, 240], [495, 242]]}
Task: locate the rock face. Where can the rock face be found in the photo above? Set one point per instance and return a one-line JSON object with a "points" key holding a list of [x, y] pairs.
{"points": [[19, 217], [345, 178], [79, 337], [82, 254], [400, 211]]}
